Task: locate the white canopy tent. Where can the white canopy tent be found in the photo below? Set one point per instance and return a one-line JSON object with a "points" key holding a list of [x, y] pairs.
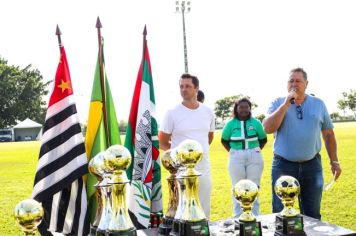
{"points": [[27, 130]]}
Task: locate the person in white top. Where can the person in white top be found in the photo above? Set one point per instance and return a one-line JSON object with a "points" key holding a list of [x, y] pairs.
{"points": [[191, 120]]}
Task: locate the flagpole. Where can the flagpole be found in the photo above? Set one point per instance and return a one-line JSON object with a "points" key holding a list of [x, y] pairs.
{"points": [[144, 45], [102, 82], [59, 33]]}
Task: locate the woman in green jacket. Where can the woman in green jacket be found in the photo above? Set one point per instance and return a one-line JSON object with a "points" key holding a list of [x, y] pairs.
{"points": [[243, 137]]}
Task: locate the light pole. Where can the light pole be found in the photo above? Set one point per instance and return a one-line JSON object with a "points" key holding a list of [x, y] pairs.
{"points": [[184, 7]]}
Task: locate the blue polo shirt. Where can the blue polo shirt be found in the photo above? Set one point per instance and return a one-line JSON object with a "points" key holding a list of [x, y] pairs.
{"points": [[299, 139]]}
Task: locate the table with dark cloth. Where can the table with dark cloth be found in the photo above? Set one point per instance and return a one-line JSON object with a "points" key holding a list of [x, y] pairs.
{"points": [[312, 227]]}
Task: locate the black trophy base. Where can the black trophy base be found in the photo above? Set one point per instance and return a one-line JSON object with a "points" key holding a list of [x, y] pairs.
{"points": [[175, 228], [166, 227], [130, 232], [292, 226], [92, 231], [100, 232], [199, 228], [252, 228]]}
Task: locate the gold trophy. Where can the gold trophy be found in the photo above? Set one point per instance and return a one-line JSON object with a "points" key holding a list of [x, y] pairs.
{"points": [[193, 220], [97, 168], [29, 214], [170, 165], [117, 160], [176, 225], [246, 192], [288, 221]]}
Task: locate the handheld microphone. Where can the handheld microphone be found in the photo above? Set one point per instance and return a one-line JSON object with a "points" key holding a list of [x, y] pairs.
{"points": [[292, 100]]}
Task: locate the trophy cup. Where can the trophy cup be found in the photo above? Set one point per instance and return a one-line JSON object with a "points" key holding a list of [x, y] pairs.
{"points": [[117, 160], [288, 221], [245, 191], [29, 214], [193, 220], [97, 168], [170, 165], [180, 208]]}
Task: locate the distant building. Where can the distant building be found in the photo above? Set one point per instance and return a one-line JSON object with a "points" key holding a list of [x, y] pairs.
{"points": [[27, 130]]}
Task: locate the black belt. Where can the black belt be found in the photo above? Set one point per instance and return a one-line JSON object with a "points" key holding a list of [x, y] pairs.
{"points": [[278, 157]]}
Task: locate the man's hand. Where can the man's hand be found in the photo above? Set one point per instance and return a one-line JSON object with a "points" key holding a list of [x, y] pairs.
{"points": [[164, 140], [335, 169], [290, 97]]}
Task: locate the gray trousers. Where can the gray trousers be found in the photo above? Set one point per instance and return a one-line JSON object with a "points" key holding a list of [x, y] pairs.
{"points": [[245, 164]]}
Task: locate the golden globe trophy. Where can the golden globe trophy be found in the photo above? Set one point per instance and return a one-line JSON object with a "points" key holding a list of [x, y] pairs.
{"points": [[246, 192], [98, 169], [28, 215], [288, 221], [193, 220], [117, 160], [169, 164]]}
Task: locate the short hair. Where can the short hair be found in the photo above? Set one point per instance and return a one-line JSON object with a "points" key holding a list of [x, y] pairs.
{"points": [[200, 96], [298, 69], [194, 79], [238, 102]]}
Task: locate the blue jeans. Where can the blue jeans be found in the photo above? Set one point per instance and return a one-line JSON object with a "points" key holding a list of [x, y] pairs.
{"points": [[310, 178]]}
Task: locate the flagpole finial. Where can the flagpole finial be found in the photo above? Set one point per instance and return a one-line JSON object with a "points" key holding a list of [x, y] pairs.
{"points": [[59, 33], [102, 82], [98, 23], [145, 31]]}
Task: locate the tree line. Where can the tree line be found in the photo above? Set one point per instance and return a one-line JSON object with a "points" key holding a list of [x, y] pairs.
{"points": [[22, 91]]}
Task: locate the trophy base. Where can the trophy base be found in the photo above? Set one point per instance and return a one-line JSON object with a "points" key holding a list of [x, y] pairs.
{"points": [[92, 231], [100, 232], [166, 227], [199, 228], [248, 228], [130, 232], [292, 226], [175, 228]]}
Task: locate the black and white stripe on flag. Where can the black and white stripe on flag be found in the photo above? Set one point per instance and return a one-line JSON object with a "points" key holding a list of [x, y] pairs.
{"points": [[62, 163]]}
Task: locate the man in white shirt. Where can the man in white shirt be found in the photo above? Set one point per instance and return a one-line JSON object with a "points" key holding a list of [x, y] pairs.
{"points": [[191, 120]]}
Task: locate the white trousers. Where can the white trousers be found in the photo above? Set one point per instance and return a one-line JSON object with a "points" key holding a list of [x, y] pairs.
{"points": [[245, 164], [204, 191]]}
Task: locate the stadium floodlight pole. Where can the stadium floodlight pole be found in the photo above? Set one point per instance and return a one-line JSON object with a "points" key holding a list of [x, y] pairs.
{"points": [[181, 7], [102, 82], [59, 33]]}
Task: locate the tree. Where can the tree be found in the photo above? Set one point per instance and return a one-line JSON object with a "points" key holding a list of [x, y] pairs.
{"points": [[122, 126], [335, 116], [21, 92], [224, 106], [342, 105], [261, 117], [348, 102]]}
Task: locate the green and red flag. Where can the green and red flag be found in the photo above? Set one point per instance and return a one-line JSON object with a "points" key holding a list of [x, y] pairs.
{"points": [[145, 195], [98, 138]]}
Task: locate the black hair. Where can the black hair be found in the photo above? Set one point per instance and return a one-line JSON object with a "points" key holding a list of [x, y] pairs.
{"points": [[194, 79], [200, 96], [238, 102]]}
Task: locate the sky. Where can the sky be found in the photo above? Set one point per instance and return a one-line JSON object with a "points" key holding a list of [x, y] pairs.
{"points": [[234, 46]]}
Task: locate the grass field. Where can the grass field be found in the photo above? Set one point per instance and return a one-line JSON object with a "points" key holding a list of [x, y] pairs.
{"points": [[18, 164]]}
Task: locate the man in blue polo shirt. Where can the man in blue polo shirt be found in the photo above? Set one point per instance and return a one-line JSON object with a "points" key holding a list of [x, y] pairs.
{"points": [[297, 120]]}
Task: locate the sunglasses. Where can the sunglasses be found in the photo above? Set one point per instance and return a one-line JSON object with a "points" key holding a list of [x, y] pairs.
{"points": [[299, 112]]}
